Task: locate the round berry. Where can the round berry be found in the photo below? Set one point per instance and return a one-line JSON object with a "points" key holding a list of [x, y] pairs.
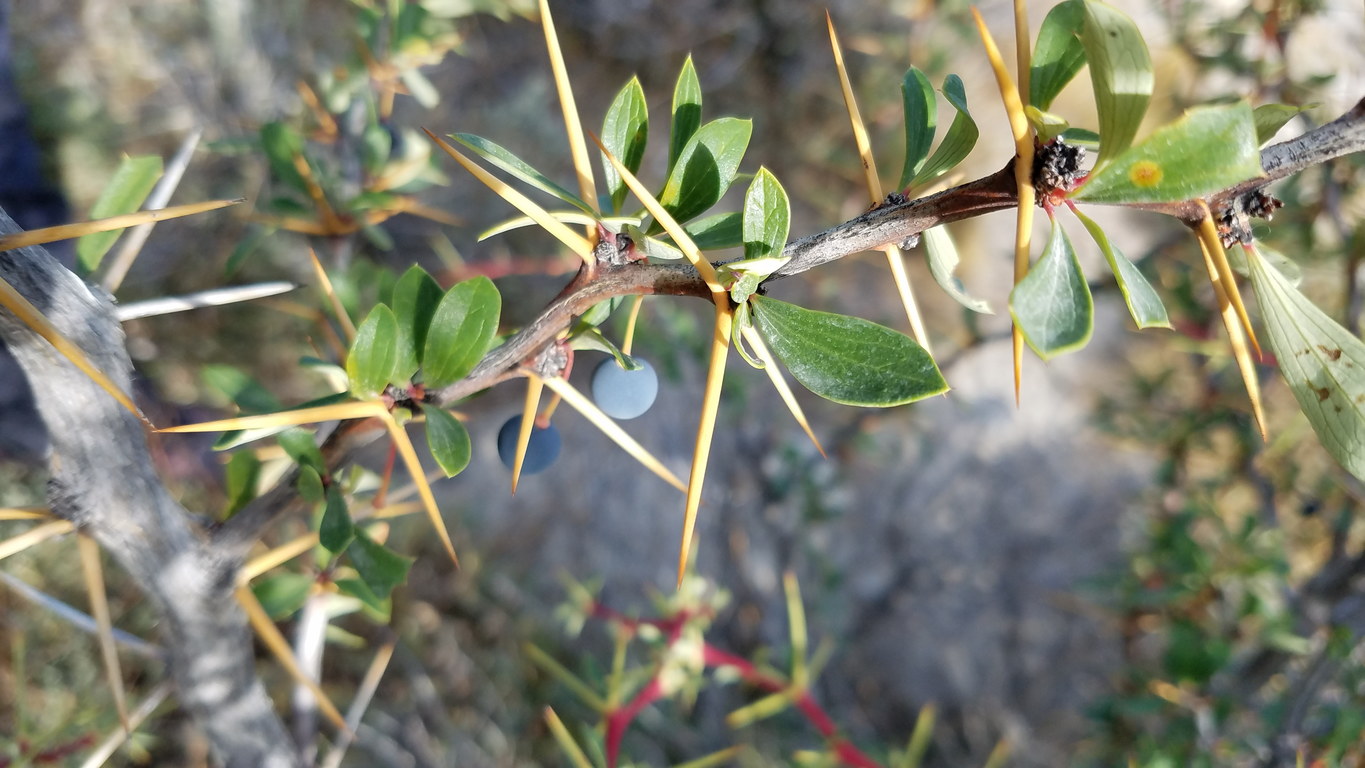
{"points": [[541, 450], [623, 394]]}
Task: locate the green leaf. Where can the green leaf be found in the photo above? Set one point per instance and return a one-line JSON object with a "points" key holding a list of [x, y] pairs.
{"points": [[1058, 54], [624, 132], [706, 167], [957, 142], [686, 112], [239, 387], [767, 217], [447, 439], [309, 484], [1144, 304], [124, 193], [943, 261], [415, 298], [1270, 118], [504, 159], [381, 568], [721, 230], [1052, 304], [420, 88], [1208, 149], [240, 477], [847, 359], [380, 606], [373, 356], [462, 329], [283, 593], [599, 312], [299, 445], [335, 531], [921, 122], [1081, 137], [281, 145], [1238, 261], [1121, 74], [1322, 362]]}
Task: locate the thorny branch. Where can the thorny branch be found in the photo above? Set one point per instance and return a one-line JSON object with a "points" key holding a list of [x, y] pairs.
{"points": [[100, 448]]}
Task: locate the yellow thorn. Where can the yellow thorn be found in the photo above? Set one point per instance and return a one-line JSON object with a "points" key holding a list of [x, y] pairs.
{"points": [[99, 609], [325, 284], [715, 377], [611, 429], [578, 149], [1023, 176], [15, 302], [270, 635], [760, 349], [34, 535], [575, 242], [68, 231], [534, 385], [1208, 234], [414, 465], [1240, 353]]}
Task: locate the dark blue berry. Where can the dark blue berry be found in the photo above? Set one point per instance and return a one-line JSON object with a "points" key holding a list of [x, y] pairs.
{"points": [[541, 451], [623, 394]]}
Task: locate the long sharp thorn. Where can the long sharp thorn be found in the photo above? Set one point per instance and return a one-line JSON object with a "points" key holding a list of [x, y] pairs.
{"points": [[715, 377]]}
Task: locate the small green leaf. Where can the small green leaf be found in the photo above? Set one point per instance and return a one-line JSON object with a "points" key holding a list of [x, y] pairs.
{"points": [[504, 159], [1052, 304], [415, 298], [1046, 126], [721, 230], [957, 142], [335, 531], [1144, 304], [282, 594], [447, 439], [124, 193], [1322, 362], [1121, 73], [373, 356], [1208, 149], [591, 338], [921, 122], [300, 446], [1270, 118], [281, 145], [624, 132], [686, 112], [847, 359], [309, 484], [241, 475], [381, 568], [461, 331], [767, 217], [1058, 54], [380, 607], [706, 167], [599, 312], [943, 261], [743, 320]]}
